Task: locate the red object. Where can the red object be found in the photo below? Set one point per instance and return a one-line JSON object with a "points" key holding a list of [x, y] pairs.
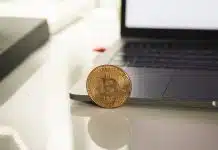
{"points": [[99, 49]]}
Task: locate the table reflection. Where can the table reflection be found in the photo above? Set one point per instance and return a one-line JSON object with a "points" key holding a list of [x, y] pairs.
{"points": [[109, 130], [143, 127]]}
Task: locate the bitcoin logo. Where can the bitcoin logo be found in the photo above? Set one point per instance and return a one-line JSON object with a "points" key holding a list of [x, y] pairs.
{"points": [[109, 87], [104, 88]]}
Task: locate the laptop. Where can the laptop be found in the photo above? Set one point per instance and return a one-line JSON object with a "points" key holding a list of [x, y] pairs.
{"points": [[169, 52]]}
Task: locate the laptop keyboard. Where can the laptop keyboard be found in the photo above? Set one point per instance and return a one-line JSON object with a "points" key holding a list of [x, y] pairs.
{"points": [[163, 55]]}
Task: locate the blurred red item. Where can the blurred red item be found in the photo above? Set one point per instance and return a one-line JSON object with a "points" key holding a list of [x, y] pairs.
{"points": [[99, 49]]}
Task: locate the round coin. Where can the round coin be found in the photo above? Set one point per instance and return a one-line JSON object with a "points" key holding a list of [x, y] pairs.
{"points": [[108, 86]]}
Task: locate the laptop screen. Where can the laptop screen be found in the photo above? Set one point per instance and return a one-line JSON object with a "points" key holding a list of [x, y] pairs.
{"points": [[172, 14]]}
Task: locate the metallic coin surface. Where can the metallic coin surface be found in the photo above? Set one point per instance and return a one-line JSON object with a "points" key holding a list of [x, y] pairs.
{"points": [[108, 86]]}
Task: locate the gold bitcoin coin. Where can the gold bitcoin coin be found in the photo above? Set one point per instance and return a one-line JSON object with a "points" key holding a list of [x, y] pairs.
{"points": [[108, 86]]}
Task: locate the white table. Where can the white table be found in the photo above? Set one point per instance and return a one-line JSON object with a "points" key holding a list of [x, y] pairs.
{"points": [[35, 104]]}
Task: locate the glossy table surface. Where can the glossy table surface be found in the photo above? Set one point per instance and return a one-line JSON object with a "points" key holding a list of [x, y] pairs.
{"points": [[36, 112]]}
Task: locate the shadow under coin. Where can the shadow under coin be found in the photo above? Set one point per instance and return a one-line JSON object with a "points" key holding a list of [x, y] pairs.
{"points": [[109, 130]]}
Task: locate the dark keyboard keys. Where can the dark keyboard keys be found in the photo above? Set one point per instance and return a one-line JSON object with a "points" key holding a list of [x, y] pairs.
{"points": [[163, 55]]}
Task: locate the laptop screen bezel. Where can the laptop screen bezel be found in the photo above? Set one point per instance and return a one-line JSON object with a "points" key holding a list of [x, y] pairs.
{"points": [[177, 34]]}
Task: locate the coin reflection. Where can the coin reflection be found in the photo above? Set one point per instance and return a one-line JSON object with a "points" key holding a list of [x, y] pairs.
{"points": [[109, 130]]}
